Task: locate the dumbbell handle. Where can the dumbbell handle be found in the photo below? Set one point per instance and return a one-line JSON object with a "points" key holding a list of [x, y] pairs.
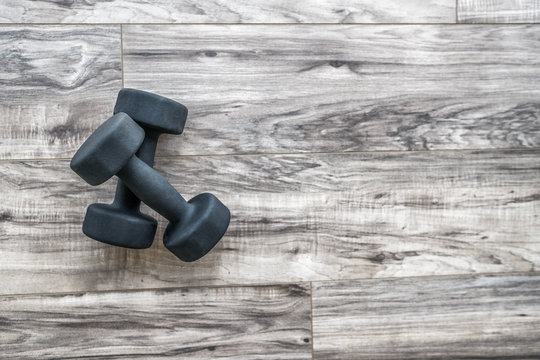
{"points": [[154, 190], [124, 198]]}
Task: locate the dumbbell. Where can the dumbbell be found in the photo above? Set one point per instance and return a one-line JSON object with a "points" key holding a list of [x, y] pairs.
{"points": [[195, 227], [121, 223]]}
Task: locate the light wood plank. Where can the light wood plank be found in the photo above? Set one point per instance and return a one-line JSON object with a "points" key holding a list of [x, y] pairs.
{"points": [[238, 11], [482, 317], [499, 11], [58, 83], [265, 322], [294, 218], [268, 89]]}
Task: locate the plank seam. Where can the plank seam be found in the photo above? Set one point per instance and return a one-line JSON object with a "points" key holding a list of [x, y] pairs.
{"points": [[269, 24], [311, 320]]}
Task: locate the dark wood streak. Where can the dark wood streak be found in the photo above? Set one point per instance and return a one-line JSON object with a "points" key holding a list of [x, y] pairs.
{"points": [[286, 89], [500, 11], [466, 317], [294, 218], [58, 84], [263, 322], [239, 11]]}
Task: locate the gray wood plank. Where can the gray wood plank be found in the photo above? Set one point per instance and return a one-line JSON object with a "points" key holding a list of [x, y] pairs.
{"points": [[499, 11], [284, 89], [294, 218], [468, 317], [58, 83], [239, 11], [264, 322]]}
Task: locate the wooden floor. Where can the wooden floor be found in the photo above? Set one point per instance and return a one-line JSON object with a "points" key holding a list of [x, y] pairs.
{"points": [[381, 160]]}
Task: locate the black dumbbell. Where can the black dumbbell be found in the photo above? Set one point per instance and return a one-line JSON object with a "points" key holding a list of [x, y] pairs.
{"points": [[195, 227], [122, 223]]}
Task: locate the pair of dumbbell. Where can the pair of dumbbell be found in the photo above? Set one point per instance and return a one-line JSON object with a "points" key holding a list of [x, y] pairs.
{"points": [[125, 146]]}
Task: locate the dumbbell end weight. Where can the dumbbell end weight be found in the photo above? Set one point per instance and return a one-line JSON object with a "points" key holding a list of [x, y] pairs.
{"points": [[116, 226], [108, 149], [194, 236], [154, 111]]}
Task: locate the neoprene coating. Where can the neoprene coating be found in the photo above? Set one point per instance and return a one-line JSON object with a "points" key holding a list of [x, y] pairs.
{"points": [[195, 226], [108, 149], [155, 111]]}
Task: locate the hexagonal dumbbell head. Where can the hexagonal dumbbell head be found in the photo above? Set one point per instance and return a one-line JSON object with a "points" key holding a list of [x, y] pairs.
{"points": [[121, 223], [108, 149], [155, 111]]}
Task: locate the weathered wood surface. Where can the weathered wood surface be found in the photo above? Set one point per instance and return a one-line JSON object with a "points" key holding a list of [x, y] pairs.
{"points": [[280, 90], [268, 89], [468, 317], [499, 11], [237, 11], [263, 322], [58, 83], [294, 218]]}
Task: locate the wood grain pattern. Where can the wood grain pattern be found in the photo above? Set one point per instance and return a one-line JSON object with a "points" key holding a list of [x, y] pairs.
{"points": [[238, 11], [58, 83], [286, 89], [468, 317], [294, 218], [499, 11], [265, 322]]}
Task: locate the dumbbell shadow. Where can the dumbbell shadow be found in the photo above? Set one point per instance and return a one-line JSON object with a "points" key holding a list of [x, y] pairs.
{"points": [[195, 227]]}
